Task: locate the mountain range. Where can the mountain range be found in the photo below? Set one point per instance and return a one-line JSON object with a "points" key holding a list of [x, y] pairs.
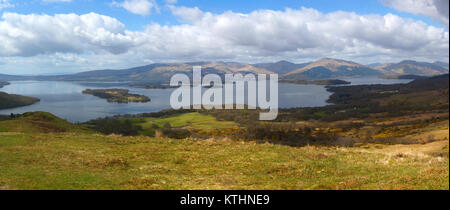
{"points": [[326, 68]]}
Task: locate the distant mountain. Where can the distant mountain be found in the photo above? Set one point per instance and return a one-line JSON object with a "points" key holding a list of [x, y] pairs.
{"points": [[414, 68], [281, 67], [327, 68], [374, 64], [432, 83], [331, 68], [161, 72], [5, 77]]}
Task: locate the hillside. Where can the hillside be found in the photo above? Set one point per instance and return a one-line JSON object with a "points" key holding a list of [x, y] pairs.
{"points": [[414, 68], [376, 137], [39, 122], [68, 157], [11, 100], [406, 113], [404, 76], [421, 92], [331, 68]]}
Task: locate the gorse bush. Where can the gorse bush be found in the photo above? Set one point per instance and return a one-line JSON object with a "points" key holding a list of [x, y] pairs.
{"points": [[176, 133], [116, 126], [284, 133]]}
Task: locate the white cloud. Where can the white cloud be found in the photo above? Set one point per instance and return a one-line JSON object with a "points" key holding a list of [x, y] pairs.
{"points": [[139, 7], [436, 9], [264, 35], [30, 35], [187, 13], [307, 32], [5, 4]]}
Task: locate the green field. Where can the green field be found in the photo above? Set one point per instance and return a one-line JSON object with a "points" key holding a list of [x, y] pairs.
{"points": [[191, 120], [67, 156]]}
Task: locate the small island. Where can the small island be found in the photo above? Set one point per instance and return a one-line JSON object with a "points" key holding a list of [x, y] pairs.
{"points": [[117, 95], [2, 84], [8, 101], [317, 82]]}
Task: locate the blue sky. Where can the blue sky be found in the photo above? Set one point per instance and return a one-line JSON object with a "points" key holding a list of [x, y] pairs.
{"points": [[43, 36]]}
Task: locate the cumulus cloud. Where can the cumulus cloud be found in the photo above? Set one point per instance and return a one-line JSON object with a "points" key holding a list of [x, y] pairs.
{"points": [[263, 35], [30, 35], [139, 7], [187, 13], [308, 32], [436, 9]]}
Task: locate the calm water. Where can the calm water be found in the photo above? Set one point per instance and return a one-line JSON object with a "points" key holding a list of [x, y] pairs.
{"points": [[65, 99]]}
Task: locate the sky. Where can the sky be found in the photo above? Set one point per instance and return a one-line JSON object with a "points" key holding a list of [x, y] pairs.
{"points": [[67, 36]]}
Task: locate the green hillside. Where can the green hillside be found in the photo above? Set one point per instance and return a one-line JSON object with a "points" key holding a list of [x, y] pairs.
{"points": [[40, 151], [40, 122]]}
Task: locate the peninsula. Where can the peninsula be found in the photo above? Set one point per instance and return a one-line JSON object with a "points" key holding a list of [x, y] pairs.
{"points": [[11, 101], [2, 84]]}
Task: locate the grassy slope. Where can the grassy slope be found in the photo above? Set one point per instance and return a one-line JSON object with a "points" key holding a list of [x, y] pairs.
{"points": [[40, 122], [91, 161], [66, 156]]}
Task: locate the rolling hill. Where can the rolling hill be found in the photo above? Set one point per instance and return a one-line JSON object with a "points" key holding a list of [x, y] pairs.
{"points": [[40, 152], [407, 149], [40, 122]]}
